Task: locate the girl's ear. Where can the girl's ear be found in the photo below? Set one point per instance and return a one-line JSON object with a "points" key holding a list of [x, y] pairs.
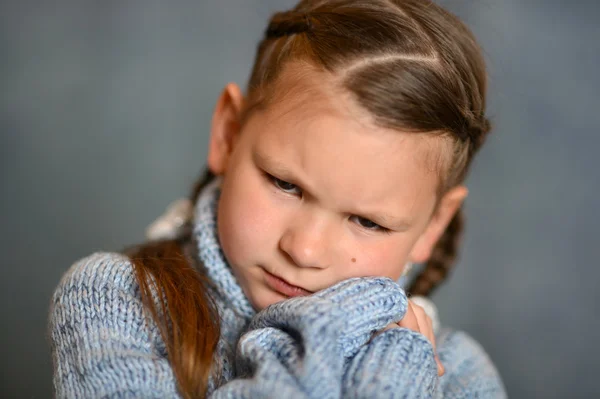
{"points": [[225, 128], [447, 208]]}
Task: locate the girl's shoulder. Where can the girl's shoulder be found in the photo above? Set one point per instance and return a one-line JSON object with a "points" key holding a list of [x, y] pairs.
{"points": [[102, 343], [469, 368], [99, 269], [98, 291], [104, 272], [101, 286]]}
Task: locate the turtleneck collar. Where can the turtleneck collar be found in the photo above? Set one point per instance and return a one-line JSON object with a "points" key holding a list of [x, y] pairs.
{"points": [[211, 254]]}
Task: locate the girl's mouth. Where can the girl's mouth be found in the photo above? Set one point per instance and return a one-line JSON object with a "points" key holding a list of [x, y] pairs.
{"points": [[283, 287]]}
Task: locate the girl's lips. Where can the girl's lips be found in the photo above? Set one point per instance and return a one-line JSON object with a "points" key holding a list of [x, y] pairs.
{"points": [[283, 287]]}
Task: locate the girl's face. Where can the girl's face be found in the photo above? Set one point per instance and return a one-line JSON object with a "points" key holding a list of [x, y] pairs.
{"points": [[313, 193]]}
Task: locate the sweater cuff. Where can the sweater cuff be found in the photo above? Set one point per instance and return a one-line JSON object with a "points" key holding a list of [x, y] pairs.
{"points": [[397, 363]]}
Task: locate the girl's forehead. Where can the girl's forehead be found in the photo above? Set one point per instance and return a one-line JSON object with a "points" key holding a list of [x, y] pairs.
{"points": [[302, 91], [304, 95], [346, 160], [310, 100]]}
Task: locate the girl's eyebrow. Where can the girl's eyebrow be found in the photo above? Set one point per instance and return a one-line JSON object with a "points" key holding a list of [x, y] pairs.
{"points": [[274, 166], [283, 172]]}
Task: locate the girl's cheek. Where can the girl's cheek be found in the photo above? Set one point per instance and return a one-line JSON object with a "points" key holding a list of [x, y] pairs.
{"points": [[256, 216], [379, 261], [250, 221]]}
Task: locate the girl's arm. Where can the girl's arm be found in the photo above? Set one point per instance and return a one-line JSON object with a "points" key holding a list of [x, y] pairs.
{"points": [[309, 345], [469, 371], [102, 344], [399, 363], [264, 356]]}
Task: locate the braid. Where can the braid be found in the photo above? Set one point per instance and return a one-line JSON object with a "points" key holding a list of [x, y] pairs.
{"points": [[442, 259], [445, 251], [289, 23]]}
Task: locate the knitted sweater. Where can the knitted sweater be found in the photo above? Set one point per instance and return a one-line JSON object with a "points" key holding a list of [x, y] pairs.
{"points": [[319, 346]]}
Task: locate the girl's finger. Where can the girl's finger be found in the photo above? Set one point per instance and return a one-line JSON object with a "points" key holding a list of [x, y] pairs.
{"points": [[431, 336], [426, 328], [410, 319], [440, 366]]}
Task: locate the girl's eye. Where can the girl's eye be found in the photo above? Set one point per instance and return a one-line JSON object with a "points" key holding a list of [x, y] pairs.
{"points": [[368, 224], [286, 186]]}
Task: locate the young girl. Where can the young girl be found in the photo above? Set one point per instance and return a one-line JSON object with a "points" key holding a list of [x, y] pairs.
{"points": [[342, 164]]}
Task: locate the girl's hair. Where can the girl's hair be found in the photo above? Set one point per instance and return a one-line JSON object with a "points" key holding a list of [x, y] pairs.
{"points": [[411, 65]]}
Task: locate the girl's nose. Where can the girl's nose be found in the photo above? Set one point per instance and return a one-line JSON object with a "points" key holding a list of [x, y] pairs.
{"points": [[306, 244]]}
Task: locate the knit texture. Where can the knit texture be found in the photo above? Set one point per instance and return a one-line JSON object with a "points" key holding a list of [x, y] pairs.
{"points": [[319, 346], [235, 311]]}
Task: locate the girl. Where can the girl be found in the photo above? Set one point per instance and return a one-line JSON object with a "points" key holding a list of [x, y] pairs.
{"points": [[342, 164]]}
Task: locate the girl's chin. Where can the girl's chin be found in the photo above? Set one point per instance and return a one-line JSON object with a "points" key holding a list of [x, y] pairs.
{"points": [[264, 297]]}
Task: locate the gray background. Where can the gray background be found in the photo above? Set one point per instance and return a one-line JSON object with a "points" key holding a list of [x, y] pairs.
{"points": [[104, 113]]}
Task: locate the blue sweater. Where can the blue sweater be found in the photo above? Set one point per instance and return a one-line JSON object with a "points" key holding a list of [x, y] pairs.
{"points": [[319, 346]]}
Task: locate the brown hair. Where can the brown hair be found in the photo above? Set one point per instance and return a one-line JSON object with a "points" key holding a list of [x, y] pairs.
{"points": [[411, 65]]}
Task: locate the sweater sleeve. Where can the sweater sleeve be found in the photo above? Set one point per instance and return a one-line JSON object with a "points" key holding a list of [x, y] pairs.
{"points": [[102, 344], [300, 346], [292, 348], [469, 371], [266, 358], [398, 363]]}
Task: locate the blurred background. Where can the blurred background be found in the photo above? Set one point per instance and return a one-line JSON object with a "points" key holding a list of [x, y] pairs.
{"points": [[104, 115]]}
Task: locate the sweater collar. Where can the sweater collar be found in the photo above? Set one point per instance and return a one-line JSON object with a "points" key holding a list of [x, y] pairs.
{"points": [[211, 254]]}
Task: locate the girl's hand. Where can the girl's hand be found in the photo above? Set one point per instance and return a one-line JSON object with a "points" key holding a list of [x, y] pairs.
{"points": [[417, 320]]}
